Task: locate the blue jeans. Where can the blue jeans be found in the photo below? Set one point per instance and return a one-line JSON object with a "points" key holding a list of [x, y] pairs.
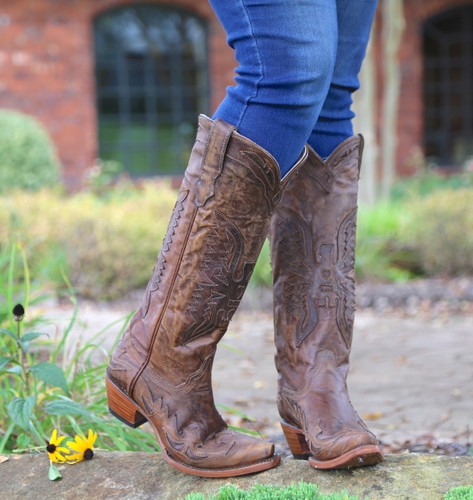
{"points": [[298, 64]]}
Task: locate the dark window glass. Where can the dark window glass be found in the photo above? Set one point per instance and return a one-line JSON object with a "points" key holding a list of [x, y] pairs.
{"points": [[152, 82], [448, 87]]}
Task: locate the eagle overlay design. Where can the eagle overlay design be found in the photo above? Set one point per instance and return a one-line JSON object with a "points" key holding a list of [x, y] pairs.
{"points": [[215, 299]]}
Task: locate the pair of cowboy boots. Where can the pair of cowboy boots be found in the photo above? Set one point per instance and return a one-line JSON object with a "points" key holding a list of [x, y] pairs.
{"points": [[160, 371]]}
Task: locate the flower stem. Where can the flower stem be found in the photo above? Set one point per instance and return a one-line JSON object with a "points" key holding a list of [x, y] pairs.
{"points": [[22, 450]]}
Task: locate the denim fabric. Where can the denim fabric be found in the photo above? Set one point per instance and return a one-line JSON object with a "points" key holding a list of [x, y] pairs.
{"points": [[287, 53], [334, 123]]}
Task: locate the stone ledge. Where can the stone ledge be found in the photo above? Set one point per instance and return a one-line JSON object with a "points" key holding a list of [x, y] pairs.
{"points": [[140, 476]]}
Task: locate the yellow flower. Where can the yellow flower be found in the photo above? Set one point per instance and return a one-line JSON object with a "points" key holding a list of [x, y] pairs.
{"points": [[54, 450], [84, 447]]}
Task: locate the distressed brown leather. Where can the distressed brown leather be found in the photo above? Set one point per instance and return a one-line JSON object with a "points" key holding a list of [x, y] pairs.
{"points": [[312, 240], [164, 360]]}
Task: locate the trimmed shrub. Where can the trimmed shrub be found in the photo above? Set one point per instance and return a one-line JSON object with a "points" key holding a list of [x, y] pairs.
{"points": [[381, 255], [109, 245], [440, 227], [27, 155], [427, 181]]}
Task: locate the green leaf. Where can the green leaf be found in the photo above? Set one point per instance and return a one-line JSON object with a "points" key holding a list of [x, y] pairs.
{"points": [[53, 473], [51, 374], [4, 361], [234, 411], [21, 410], [23, 441], [234, 349], [11, 334], [16, 370], [245, 431], [24, 345], [65, 406], [28, 337]]}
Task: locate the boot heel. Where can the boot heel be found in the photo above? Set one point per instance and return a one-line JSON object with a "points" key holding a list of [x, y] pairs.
{"points": [[122, 407], [296, 440]]}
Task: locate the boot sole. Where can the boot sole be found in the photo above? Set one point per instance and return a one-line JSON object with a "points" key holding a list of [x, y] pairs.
{"points": [[358, 457], [127, 411]]}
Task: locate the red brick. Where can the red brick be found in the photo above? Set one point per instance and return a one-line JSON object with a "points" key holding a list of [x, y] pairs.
{"points": [[46, 69]]}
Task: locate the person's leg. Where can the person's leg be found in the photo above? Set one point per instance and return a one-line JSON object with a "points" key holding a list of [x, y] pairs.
{"points": [[334, 123], [285, 51], [160, 371], [312, 240]]}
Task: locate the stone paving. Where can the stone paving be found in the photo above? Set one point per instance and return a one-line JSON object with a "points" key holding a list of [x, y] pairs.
{"points": [[411, 378]]}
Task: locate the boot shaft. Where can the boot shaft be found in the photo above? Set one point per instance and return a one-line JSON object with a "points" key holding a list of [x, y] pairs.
{"points": [[217, 228], [313, 254], [161, 368], [312, 237]]}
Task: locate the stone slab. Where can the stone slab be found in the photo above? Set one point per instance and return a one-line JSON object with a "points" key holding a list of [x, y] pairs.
{"points": [[142, 476]]}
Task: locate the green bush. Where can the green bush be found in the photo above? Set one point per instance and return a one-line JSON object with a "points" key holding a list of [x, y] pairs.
{"points": [[381, 254], [440, 227], [262, 272], [107, 246], [27, 155], [427, 181], [108, 242]]}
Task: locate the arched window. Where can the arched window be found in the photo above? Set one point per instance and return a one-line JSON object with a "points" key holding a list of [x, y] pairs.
{"points": [[152, 81], [448, 86]]}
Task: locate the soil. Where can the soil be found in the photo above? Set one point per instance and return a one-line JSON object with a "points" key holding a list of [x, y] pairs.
{"points": [[411, 374]]}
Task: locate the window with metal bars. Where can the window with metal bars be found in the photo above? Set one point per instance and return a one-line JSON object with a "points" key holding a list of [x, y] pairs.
{"points": [[151, 84], [448, 87]]}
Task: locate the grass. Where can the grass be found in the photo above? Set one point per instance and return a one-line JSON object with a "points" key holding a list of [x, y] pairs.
{"points": [[41, 388], [300, 491], [303, 491], [460, 493]]}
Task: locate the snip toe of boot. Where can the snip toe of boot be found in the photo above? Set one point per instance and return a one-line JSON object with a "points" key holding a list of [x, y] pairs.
{"points": [[259, 451], [247, 455], [249, 450], [350, 450]]}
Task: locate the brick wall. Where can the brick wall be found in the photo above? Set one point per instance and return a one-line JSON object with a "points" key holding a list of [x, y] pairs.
{"points": [[410, 125], [47, 69]]}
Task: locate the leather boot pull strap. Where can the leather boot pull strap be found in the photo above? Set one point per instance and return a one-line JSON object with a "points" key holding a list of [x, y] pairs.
{"points": [[214, 154]]}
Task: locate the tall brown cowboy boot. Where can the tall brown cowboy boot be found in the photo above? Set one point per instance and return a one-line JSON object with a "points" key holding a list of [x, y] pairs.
{"points": [[161, 370], [312, 240]]}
